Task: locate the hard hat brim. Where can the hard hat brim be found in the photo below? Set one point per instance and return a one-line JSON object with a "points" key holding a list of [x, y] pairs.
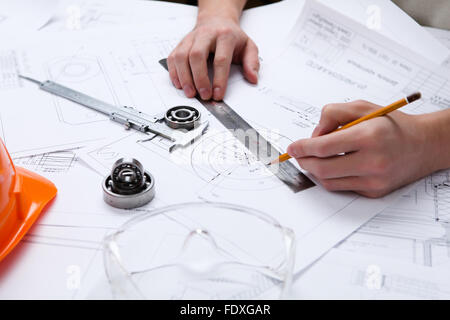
{"points": [[32, 193]]}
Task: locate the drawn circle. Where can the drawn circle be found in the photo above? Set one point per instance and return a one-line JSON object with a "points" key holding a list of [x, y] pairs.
{"points": [[75, 69], [223, 161]]}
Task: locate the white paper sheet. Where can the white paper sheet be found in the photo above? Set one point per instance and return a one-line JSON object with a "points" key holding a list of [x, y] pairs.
{"points": [[117, 72], [269, 25], [69, 210], [135, 69], [74, 15], [444, 37], [394, 23], [351, 62], [217, 168], [19, 15], [53, 263], [410, 237], [328, 50], [342, 275]]}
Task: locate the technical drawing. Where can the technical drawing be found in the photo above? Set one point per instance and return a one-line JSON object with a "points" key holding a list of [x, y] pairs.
{"points": [[442, 202], [331, 40], [303, 115], [379, 283], [223, 162], [140, 65], [442, 216], [434, 88], [419, 224], [8, 70], [85, 74], [56, 162], [107, 154]]}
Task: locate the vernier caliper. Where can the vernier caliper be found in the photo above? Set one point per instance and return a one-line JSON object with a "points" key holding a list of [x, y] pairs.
{"points": [[129, 117]]}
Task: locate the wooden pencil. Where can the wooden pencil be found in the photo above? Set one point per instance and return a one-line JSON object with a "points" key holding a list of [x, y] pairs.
{"points": [[379, 113]]}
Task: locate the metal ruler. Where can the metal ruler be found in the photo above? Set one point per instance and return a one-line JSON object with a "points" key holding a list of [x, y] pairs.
{"points": [[286, 172]]}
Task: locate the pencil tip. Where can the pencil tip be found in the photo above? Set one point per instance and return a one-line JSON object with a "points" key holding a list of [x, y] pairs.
{"points": [[413, 97]]}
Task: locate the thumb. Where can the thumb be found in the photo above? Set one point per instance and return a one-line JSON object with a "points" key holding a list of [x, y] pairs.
{"points": [[338, 114], [250, 62]]}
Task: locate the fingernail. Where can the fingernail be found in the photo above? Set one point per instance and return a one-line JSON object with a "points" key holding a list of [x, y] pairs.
{"points": [[291, 152], [204, 93], [176, 83], [188, 90], [217, 93]]}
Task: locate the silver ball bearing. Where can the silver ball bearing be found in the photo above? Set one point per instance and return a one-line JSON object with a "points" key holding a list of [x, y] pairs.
{"points": [[182, 117], [128, 186]]}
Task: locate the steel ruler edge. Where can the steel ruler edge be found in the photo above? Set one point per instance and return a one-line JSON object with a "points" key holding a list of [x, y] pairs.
{"points": [[287, 172]]}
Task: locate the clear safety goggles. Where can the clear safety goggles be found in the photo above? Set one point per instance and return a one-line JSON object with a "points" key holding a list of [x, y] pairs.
{"points": [[200, 251]]}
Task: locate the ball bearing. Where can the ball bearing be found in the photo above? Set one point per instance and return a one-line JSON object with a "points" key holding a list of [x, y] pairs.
{"points": [[129, 185], [182, 117]]}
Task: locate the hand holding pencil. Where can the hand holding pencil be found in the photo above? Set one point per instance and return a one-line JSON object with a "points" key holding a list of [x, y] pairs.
{"points": [[362, 147], [378, 113]]}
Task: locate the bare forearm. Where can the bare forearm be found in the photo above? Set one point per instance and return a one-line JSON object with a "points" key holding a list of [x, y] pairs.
{"points": [[224, 8], [438, 135]]}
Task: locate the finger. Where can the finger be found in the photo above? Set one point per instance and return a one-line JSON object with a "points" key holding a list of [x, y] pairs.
{"points": [[338, 114], [173, 71], [344, 184], [183, 68], [222, 62], [364, 186], [350, 165], [328, 145], [250, 62], [198, 59]]}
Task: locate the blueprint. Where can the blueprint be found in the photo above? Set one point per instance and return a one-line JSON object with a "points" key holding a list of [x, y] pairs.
{"points": [[343, 275], [64, 249], [73, 229], [381, 15], [80, 15], [328, 50], [403, 252], [415, 229], [215, 168], [113, 72]]}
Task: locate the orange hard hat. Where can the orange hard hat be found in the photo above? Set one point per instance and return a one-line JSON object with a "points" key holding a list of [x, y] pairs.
{"points": [[23, 195]]}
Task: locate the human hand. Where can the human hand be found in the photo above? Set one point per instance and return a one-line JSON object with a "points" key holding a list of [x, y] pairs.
{"points": [[188, 62], [372, 158]]}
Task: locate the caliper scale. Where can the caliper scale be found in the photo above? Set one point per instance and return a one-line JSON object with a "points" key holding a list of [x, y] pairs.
{"points": [[186, 124]]}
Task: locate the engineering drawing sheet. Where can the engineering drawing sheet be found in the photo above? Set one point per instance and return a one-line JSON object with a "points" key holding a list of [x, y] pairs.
{"points": [[402, 253], [410, 238], [326, 50], [217, 168], [116, 73], [331, 54]]}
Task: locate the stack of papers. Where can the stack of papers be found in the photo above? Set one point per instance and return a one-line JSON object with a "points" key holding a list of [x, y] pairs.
{"points": [[110, 50]]}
